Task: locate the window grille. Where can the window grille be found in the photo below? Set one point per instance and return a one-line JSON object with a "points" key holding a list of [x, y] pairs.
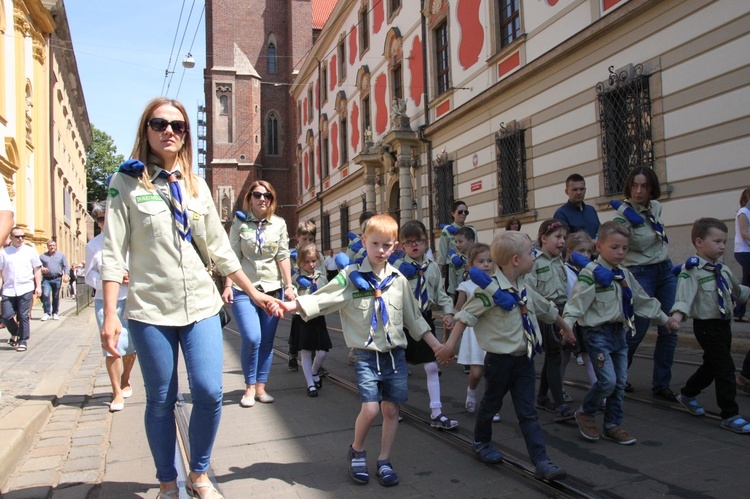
{"points": [[512, 185], [625, 120], [444, 188], [325, 229], [344, 216]]}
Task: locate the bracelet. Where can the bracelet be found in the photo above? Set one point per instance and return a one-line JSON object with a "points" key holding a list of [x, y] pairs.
{"points": [[289, 286]]}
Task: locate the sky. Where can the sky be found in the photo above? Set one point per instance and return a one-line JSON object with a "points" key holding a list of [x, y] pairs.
{"points": [[123, 49]]}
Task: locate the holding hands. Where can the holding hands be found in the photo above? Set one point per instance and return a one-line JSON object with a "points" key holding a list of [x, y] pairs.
{"points": [[672, 324]]}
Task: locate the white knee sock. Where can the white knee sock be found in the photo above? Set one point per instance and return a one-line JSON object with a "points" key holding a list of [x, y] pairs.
{"points": [[433, 388], [307, 366], [320, 356]]}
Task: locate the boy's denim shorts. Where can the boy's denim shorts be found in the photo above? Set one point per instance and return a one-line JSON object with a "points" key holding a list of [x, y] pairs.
{"points": [[381, 375]]}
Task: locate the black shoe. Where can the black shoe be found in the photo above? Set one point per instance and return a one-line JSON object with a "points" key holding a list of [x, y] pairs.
{"points": [[13, 341], [319, 382], [292, 367], [628, 388], [665, 394]]}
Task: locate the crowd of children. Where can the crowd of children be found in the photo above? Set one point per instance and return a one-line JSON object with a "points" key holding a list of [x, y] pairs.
{"points": [[507, 303]]}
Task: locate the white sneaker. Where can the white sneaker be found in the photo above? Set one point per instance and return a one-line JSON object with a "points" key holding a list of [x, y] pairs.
{"points": [[45, 317], [55, 317], [471, 406]]}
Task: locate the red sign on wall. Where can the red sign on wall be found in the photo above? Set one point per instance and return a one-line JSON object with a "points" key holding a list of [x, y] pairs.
{"points": [[476, 186]]}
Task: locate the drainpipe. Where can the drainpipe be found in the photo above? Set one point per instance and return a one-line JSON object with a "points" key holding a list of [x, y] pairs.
{"points": [[52, 141], [422, 138], [320, 148]]}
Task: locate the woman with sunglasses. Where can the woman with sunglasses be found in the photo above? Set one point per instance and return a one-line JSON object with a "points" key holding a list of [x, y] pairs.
{"points": [[161, 214], [118, 367], [459, 212], [260, 240]]}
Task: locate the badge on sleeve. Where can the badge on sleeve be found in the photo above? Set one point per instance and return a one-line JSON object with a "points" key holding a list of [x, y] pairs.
{"points": [[112, 192]]}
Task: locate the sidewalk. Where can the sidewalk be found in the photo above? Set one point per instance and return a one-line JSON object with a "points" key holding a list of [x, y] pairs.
{"points": [[55, 372]]}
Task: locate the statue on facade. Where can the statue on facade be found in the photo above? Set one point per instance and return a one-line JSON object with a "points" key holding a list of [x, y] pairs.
{"points": [[399, 118]]}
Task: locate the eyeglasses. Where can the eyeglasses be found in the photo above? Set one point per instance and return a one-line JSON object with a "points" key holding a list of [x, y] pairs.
{"points": [[100, 220], [258, 195], [18, 237], [179, 127], [414, 242], [462, 212]]}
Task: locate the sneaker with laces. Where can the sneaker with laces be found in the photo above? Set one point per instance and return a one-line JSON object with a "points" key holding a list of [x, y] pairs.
{"points": [[443, 423], [471, 405], [564, 413], [55, 317], [358, 465], [45, 317], [545, 404], [386, 475], [736, 424], [692, 405], [618, 435], [549, 471], [587, 425]]}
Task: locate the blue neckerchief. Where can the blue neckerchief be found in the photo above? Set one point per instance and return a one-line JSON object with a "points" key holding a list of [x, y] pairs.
{"points": [[627, 300], [725, 294], [420, 291], [179, 208], [380, 308], [529, 333]]}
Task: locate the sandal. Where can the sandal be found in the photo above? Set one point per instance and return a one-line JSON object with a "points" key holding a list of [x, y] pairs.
{"points": [[358, 465], [487, 453], [170, 494], [386, 475], [736, 424], [312, 391], [209, 491]]}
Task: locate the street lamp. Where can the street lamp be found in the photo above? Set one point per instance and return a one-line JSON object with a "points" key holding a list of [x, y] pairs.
{"points": [[188, 61]]}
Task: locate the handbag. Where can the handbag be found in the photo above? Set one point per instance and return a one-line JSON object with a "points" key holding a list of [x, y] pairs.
{"points": [[224, 316]]}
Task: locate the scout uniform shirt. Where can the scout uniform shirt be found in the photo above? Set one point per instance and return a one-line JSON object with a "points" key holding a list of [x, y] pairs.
{"points": [[168, 283], [456, 274], [549, 278], [698, 292], [318, 268], [356, 308], [436, 296], [318, 277], [593, 305], [501, 331], [260, 263], [646, 247], [447, 242]]}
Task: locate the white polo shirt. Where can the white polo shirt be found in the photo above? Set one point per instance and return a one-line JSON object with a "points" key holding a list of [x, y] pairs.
{"points": [[17, 266]]}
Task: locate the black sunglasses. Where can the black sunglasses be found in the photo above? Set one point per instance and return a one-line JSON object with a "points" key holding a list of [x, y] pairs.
{"points": [[462, 212], [179, 127], [258, 195], [18, 237]]}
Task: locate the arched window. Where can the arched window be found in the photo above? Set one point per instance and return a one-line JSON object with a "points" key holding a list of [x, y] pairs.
{"points": [[272, 132], [271, 58]]}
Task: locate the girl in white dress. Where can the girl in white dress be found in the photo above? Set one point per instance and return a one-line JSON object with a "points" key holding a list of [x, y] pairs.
{"points": [[469, 353]]}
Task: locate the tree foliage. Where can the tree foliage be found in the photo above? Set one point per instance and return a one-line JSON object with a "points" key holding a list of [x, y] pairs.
{"points": [[101, 160]]}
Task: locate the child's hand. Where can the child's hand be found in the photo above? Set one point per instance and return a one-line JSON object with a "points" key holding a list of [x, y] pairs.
{"points": [[445, 354], [672, 324], [448, 321], [568, 337]]}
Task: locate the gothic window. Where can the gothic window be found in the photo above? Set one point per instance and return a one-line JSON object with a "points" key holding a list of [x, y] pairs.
{"points": [[271, 58], [272, 134]]}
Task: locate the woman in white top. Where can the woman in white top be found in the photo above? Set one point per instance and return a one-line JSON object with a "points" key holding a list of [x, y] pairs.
{"points": [[742, 247], [118, 368]]}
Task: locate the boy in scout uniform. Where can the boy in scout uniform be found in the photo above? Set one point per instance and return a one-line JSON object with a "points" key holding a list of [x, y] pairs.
{"points": [[606, 309], [376, 303], [504, 315], [463, 241], [705, 292]]}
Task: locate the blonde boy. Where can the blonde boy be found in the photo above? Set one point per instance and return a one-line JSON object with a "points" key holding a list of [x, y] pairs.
{"points": [[366, 294], [504, 316]]}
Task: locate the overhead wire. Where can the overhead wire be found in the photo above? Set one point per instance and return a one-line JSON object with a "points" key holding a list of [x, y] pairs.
{"points": [[179, 50], [171, 53], [190, 50]]}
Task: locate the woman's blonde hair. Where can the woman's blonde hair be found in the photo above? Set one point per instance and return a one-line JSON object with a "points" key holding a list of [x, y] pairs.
{"points": [[246, 206], [142, 150]]}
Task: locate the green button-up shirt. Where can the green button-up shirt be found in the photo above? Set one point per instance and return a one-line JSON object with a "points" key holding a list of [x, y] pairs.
{"points": [[168, 283], [593, 305], [549, 278], [499, 330], [260, 264], [646, 247], [698, 292], [356, 309]]}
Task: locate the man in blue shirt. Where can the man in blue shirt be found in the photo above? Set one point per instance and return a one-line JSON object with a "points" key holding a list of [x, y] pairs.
{"points": [[575, 213], [54, 273]]}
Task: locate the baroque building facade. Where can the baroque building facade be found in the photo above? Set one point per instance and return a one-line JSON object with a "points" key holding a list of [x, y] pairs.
{"points": [[407, 106], [44, 125]]}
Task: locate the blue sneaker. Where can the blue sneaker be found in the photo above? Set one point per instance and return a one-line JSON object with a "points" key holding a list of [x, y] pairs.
{"points": [[358, 466], [549, 471], [386, 475], [736, 424], [487, 453], [692, 405]]}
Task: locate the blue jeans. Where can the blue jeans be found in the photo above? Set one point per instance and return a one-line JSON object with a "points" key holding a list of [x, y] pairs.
{"points": [[203, 349], [16, 308], [744, 260], [607, 349], [257, 331], [516, 374], [658, 281], [51, 288]]}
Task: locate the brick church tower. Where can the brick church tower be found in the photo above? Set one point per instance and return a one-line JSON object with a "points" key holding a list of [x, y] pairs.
{"points": [[252, 49]]}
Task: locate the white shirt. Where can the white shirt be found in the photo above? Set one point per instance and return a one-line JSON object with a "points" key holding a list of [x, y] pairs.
{"points": [[740, 245], [17, 266], [93, 267], [330, 263]]}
